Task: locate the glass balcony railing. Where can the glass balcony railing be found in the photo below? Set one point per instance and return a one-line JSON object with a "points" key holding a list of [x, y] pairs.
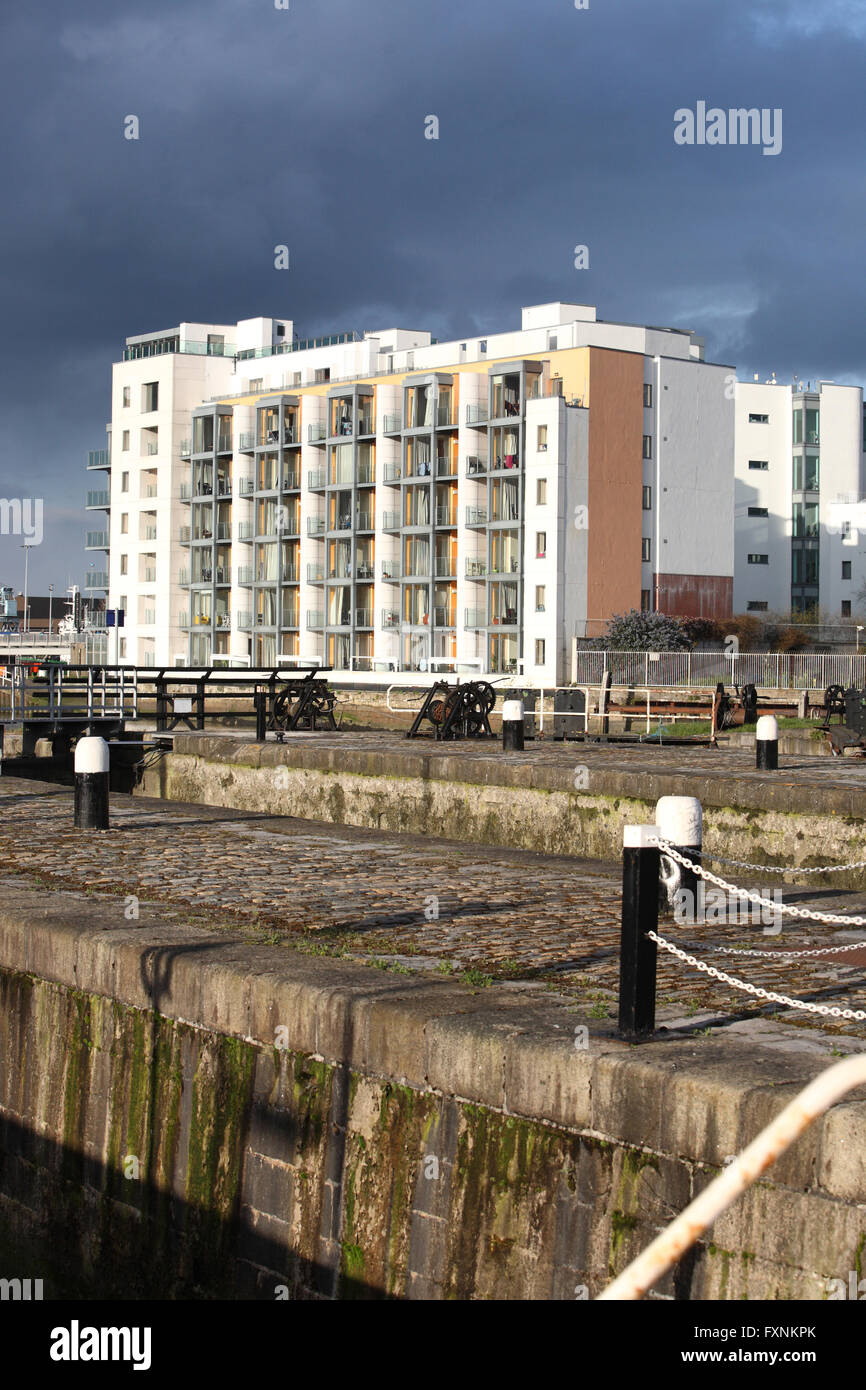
{"points": [[364, 521], [363, 617], [446, 466], [390, 617], [364, 570], [244, 621], [185, 492], [315, 525], [96, 540], [315, 619], [475, 466], [317, 433], [246, 441], [473, 618], [390, 521], [224, 444], [445, 517], [391, 424], [316, 479], [476, 569], [99, 458], [96, 579], [245, 575], [290, 480], [315, 574], [392, 472], [183, 535], [151, 450], [444, 567], [186, 448], [476, 516], [391, 571], [245, 531], [98, 499], [476, 414]]}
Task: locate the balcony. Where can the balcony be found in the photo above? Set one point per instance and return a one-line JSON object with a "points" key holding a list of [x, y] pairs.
{"points": [[149, 576], [151, 450], [366, 424], [315, 574], [183, 579], [473, 618], [247, 442], [315, 525], [245, 575], [475, 467], [149, 617], [364, 521], [99, 500], [186, 448], [390, 617], [291, 619], [442, 617], [391, 571], [476, 516], [477, 415], [366, 474], [315, 620], [244, 622], [150, 490], [291, 480], [476, 569], [224, 444], [317, 433], [224, 487], [444, 567], [391, 424], [446, 466], [289, 436], [98, 458], [342, 522], [246, 487], [245, 531], [96, 540], [184, 535], [183, 621], [223, 622], [316, 479], [364, 570], [185, 492], [96, 579], [363, 617], [445, 416], [390, 521], [392, 472], [445, 517]]}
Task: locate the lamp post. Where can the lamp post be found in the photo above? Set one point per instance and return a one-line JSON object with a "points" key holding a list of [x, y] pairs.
{"points": [[50, 607], [26, 547], [859, 630]]}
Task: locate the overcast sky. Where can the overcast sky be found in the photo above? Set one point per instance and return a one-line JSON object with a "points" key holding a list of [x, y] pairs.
{"points": [[305, 126]]}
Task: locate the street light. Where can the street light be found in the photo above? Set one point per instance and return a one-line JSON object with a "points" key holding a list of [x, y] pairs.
{"points": [[859, 630], [50, 606], [26, 547]]}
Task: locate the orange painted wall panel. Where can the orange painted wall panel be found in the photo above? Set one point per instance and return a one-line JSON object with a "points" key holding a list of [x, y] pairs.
{"points": [[614, 483]]}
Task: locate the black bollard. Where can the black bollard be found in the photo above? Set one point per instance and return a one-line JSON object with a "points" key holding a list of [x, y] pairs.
{"points": [[767, 744], [640, 914], [91, 784], [512, 726]]}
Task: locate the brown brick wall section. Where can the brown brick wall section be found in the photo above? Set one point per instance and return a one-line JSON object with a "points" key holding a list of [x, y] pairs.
{"points": [[615, 478]]}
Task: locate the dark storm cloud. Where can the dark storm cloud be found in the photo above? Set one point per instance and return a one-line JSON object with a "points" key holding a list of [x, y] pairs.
{"points": [[305, 126]]}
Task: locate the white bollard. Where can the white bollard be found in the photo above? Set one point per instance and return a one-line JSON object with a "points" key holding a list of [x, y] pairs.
{"points": [[512, 726], [680, 822], [767, 743], [92, 764]]}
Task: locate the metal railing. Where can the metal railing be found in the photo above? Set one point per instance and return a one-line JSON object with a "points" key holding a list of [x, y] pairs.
{"points": [[777, 670]]}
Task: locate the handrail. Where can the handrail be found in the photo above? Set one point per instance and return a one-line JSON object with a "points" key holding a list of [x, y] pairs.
{"points": [[771, 1143]]}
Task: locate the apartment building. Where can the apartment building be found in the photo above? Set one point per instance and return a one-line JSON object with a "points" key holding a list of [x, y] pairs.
{"points": [[800, 491], [389, 503]]}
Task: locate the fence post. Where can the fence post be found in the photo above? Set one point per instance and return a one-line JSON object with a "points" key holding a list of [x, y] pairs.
{"points": [[640, 914]]}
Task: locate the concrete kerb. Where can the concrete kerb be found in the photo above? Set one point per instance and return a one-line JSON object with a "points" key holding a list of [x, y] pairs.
{"points": [[701, 1101]]}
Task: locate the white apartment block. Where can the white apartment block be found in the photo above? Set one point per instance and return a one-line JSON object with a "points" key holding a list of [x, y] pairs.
{"points": [[800, 488], [388, 503]]}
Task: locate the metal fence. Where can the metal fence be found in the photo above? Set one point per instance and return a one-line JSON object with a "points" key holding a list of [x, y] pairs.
{"points": [[779, 670]]}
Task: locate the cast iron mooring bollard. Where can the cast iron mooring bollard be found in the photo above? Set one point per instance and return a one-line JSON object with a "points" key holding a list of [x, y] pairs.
{"points": [[512, 726], [640, 914], [680, 821], [91, 784], [767, 744]]}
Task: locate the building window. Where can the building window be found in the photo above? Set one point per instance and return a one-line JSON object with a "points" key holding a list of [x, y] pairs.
{"points": [[648, 394], [542, 439], [322, 374], [756, 606], [541, 492], [759, 559], [759, 419], [552, 342], [124, 482], [124, 523], [846, 569], [846, 530], [540, 591], [645, 601], [539, 651], [647, 499], [646, 548], [149, 397], [124, 564], [540, 545], [647, 446], [123, 646], [258, 383], [127, 395], [125, 444], [759, 511], [846, 608], [482, 346], [761, 464]]}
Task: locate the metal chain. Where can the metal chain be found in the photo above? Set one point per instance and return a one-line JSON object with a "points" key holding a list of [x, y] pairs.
{"points": [[803, 913], [827, 1010], [780, 952], [793, 869]]}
